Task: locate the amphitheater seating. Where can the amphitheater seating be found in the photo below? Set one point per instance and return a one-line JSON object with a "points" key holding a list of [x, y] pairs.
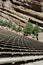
{"points": [[14, 45], [17, 42]]}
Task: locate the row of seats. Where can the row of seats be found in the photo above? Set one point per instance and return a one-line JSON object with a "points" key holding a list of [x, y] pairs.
{"points": [[17, 40], [14, 45], [9, 40]]}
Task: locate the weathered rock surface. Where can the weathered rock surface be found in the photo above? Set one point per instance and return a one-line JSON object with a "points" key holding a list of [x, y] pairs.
{"points": [[21, 11]]}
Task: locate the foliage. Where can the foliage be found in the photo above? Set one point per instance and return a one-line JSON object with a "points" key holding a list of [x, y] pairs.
{"points": [[42, 30], [9, 24], [18, 29], [13, 26], [1, 22], [6, 23], [28, 28], [36, 30]]}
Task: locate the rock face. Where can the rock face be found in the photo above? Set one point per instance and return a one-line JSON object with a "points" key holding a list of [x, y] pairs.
{"points": [[21, 11], [34, 4]]}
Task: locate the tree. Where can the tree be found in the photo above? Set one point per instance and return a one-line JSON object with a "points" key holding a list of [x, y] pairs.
{"points": [[36, 30], [28, 28]]}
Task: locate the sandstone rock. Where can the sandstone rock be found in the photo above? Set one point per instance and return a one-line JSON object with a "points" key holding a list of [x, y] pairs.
{"points": [[21, 10]]}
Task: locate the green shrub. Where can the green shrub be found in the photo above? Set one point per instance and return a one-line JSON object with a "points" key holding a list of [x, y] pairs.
{"points": [[13, 26], [1, 22], [6, 23], [18, 29], [36, 30], [9, 24], [42, 30], [28, 28]]}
